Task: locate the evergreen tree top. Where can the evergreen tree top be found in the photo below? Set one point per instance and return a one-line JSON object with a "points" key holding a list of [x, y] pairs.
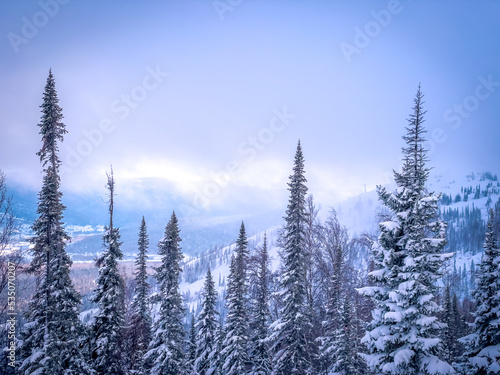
{"points": [[415, 173], [242, 241], [295, 212], [143, 240], [297, 179], [209, 291], [242, 252], [51, 126], [172, 236], [141, 276], [490, 240], [143, 243]]}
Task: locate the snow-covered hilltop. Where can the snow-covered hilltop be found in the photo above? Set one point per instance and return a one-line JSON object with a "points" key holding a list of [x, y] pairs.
{"points": [[480, 189]]}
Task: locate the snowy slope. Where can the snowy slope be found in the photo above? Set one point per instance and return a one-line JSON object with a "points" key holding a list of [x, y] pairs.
{"points": [[359, 215], [192, 291]]}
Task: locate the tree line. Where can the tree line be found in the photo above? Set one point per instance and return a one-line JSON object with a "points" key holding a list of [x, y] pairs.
{"points": [[318, 314]]}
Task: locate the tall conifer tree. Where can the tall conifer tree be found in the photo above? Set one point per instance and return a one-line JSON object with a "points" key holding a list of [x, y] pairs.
{"points": [[235, 351], [191, 346], [166, 349], [261, 361], [452, 348], [108, 327], [346, 342], [50, 342], [403, 337], [332, 323], [139, 330], [292, 349], [206, 326]]}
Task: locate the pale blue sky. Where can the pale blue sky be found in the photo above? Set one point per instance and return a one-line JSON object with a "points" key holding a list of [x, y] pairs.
{"points": [[201, 83]]}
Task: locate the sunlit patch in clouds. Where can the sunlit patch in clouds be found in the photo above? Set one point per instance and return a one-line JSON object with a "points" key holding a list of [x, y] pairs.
{"points": [[330, 184], [261, 180], [148, 181], [181, 175], [265, 174]]}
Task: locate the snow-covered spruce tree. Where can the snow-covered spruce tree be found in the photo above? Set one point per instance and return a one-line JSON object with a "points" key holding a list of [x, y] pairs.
{"points": [[291, 347], [329, 340], [483, 345], [403, 337], [107, 329], [216, 357], [452, 348], [345, 340], [235, 347], [260, 319], [447, 334], [339, 341], [191, 346], [166, 348], [49, 343], [314, 292], [139, 329], [206, 326]]}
